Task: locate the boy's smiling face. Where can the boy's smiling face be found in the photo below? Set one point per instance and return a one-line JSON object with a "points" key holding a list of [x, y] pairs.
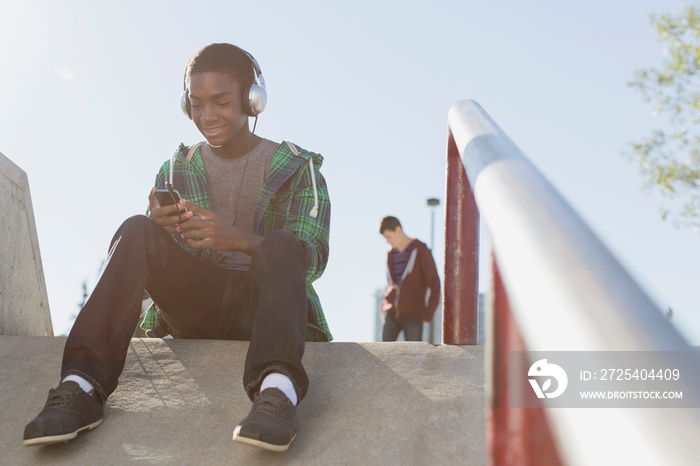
{"points": [[217, 110]]}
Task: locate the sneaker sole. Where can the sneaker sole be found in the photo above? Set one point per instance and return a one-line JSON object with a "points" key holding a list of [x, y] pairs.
{"points": [[237, 437], [59, 438]]}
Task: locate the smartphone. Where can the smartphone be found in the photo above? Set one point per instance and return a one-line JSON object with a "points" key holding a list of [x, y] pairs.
{"points": [[166, 198]]}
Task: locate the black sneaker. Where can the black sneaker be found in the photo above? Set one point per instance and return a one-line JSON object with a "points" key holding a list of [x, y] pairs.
{"points": [[68, 410], [272, 423]]}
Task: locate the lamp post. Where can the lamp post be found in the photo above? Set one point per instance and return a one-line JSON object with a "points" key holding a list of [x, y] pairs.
{"points": [[432, 203]]}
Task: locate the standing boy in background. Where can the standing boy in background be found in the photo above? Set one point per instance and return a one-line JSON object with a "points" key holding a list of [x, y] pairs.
{"points": [[413, 290]]}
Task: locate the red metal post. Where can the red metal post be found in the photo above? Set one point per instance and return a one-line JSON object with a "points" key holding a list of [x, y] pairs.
{"points": [[515, 436], [460, 303]]}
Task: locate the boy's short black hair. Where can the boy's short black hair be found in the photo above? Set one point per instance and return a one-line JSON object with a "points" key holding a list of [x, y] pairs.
{"points": [[389, 223], [224, 58]]}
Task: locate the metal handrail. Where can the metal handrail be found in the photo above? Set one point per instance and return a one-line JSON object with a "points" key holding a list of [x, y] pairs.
{"points": [[567, 292]]}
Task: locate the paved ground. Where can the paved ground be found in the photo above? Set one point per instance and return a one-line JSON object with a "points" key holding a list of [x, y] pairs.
{"points": [[178, 402]]}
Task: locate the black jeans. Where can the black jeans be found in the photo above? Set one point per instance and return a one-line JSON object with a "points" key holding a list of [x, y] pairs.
{"points": [[266, 305], [412, 328]]}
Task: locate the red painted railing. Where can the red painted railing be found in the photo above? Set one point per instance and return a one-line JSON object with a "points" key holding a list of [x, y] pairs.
{"points": [[548, 268], [461, 297]]}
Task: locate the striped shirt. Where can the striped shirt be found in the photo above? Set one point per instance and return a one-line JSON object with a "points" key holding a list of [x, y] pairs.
{"points": [[399, 262]]}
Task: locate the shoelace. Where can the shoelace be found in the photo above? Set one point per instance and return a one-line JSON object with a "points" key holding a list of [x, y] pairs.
{"points": [[269, 403], [60, 396]]}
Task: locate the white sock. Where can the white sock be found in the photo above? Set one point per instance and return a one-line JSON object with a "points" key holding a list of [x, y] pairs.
{"points": [[84, 384], [281, 382]]}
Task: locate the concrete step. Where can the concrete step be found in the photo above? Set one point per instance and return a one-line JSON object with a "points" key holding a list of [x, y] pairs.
{"points": [[179, 400]]}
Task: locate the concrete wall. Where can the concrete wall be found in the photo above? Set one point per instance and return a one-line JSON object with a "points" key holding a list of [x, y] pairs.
{"points": [[24, 304]]}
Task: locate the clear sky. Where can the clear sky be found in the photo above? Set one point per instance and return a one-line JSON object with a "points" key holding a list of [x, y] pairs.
{"points": [[89, 108]]}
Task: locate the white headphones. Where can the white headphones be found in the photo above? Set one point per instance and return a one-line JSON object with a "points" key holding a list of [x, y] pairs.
{"points": [[257, 95]]}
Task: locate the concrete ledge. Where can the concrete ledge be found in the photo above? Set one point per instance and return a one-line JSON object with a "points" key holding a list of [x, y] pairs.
{"points": [[24, 304], [179, 400]]}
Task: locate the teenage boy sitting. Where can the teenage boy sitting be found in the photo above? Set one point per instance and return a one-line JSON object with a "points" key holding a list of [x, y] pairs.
{"points": [[235, 258]]}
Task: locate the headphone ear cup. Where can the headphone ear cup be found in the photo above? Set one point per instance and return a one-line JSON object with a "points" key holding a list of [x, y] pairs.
{"points": [[257, 99], [185, 104]]}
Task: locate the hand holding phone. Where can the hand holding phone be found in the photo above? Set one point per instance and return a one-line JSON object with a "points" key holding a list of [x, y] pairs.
{"points": [[164, 208]]}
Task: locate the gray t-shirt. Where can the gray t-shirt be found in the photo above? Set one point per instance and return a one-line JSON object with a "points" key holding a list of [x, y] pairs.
{"points": [[234, 186]]}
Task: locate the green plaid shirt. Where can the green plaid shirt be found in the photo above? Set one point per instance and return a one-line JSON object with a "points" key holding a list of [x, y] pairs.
{"points": [[285, 202]]}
